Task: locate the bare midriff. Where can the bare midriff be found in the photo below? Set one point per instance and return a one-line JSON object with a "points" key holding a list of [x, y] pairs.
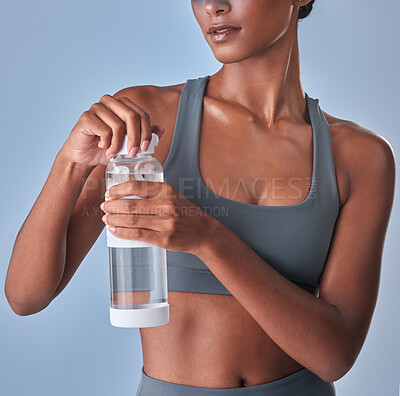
{"points": [[212, 341]]}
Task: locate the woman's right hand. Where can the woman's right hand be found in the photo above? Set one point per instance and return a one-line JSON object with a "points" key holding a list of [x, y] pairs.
{"points": [[100, 131]]}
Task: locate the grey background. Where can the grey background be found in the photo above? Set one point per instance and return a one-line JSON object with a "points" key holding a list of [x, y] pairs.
{"points": [[57, 58]]}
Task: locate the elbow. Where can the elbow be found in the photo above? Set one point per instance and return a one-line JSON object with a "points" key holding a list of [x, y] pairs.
{"points": [[333, 375], [19, 311], [23, 310], [343, 351], [337, 368], [13, 297], [19, 308]]}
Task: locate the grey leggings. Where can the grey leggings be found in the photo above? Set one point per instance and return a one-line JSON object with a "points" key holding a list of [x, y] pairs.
{"points": [[301, 383]]}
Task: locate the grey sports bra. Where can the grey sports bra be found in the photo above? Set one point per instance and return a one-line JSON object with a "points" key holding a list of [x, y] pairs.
{"points": [[293, 239]]}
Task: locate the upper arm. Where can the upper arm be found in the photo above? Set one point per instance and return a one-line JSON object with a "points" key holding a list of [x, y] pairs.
{"points": [[351, 277]]}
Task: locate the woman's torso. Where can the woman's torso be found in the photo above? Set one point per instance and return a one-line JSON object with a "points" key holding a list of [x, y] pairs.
{"points": [[210, 339]]}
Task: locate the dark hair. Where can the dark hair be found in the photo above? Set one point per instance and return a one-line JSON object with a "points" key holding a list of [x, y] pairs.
{"points": [[305, 10]]}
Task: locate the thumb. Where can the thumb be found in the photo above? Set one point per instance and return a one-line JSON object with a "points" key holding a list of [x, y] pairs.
{"points": [[158, 129]]}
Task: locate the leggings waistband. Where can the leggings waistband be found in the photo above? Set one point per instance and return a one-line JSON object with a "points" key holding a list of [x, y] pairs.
{"points": [[300, 383]]}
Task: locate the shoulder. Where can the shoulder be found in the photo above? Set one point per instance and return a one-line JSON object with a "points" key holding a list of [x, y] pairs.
{"points": [[361, 153], [161, 104], [357, 140], [151, 95]]}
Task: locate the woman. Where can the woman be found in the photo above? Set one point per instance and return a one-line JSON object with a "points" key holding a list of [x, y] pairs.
{"points": [[273, 296]]}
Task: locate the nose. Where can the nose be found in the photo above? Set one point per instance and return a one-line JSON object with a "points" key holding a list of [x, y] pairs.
{"points": [[216, 7]]}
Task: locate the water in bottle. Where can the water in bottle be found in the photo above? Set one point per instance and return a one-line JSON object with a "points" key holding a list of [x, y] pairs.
{"points": [[138, 270]]}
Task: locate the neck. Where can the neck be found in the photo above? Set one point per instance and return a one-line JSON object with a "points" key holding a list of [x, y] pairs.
{"points": [[268, 84]]}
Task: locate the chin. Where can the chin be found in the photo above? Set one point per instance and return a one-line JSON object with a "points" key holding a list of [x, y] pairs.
{"points": [[229, 55], [235, 51]]}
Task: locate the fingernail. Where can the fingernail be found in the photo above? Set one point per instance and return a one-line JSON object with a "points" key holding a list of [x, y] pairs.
{"points": [[102, 206], [104, 218], [107, 194], [145, 145], [112, 229], [133, 151]]}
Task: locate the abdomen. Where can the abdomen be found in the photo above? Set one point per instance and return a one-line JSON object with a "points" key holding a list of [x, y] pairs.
{"points": [[212, 341]]}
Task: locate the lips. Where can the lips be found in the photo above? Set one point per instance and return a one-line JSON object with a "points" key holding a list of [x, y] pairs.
{"points": [[222, 35], [221, 28]]}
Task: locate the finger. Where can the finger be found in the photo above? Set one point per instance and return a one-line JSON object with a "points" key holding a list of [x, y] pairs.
{"points": [[145, 127], [156, 223], [117, 126], [136, 234], [158, 129], [138, 206], [93, 125], [141, 188], [131, 119]]}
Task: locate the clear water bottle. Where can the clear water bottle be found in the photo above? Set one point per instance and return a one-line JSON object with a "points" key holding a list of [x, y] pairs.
{"points": [[138, 270]]}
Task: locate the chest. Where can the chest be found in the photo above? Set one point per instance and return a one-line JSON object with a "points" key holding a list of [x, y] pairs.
{"points": [[245, 175], [242, 160]]}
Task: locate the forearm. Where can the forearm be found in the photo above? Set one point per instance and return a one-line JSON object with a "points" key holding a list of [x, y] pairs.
{"points": [[307, 328], [38, 257]]}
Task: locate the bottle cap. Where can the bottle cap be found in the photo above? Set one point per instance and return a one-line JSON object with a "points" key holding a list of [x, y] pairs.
{"points": [[154, 142]]}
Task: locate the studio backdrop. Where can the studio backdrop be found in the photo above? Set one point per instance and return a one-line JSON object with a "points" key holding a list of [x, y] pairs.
{"points": [[60, 57]]}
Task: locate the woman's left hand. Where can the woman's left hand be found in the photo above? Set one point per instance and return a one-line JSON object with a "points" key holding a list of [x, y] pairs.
{"points": [[164, 218]]}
